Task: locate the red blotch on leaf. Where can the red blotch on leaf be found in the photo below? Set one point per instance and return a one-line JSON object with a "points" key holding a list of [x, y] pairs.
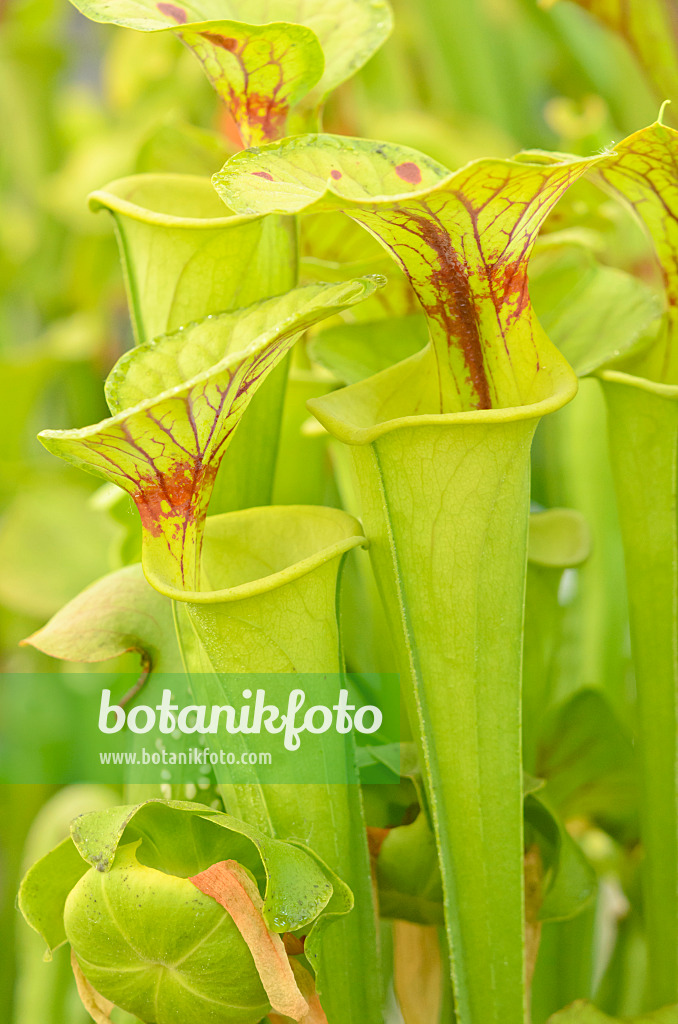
{"points": [[409, 172], [263, 174], [173, 11], [508, 287], [224, 42], [454, 306], [336, 175], [174, 496], [260, 117]]}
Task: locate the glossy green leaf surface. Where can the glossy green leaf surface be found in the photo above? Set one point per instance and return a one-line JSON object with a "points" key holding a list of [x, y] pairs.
{"points": [[175, 403], [298, 887], [44, 983], [408, 875], [464, 240], [97, 838], [43, 892], [142, 937]]}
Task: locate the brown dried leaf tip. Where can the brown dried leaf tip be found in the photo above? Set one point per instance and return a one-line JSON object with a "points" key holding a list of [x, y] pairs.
{"points": [[230, 885]]}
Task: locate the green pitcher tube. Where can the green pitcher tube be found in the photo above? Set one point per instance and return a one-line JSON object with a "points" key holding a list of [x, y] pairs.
{"points": [[445, 501], [641, 395], [269, 605], [643, 440], [184, 256]]}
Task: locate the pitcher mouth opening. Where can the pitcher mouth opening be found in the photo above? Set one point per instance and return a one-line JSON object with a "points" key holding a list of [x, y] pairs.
{"points": [[138, 196], [400, 396], [262, 565], [621, 376]]}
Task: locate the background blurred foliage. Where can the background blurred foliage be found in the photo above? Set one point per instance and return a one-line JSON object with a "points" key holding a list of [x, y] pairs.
{"points": [[81, 104]]}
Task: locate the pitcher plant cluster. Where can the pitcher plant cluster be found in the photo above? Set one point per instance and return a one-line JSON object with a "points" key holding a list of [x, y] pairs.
{"points": [[326, 426]]}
